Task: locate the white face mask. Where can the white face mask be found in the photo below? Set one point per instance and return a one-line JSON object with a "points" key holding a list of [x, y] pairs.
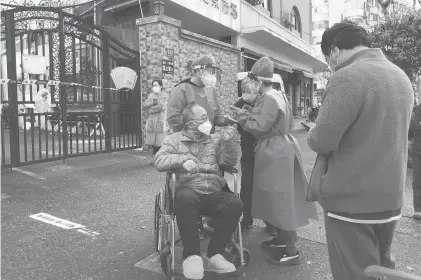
{"points": [[205, 128], [156, 89], [254, 90], [208, 79], [332, 69]]}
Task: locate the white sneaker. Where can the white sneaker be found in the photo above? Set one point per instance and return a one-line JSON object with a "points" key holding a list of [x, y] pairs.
{"points": [[219, 264], [193, 268]]}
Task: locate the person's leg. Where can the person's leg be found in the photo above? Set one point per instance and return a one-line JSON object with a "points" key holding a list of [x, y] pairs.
{"points": [[284, 245], [270, 229], [225, 210], [384, 234], [416, 184], [247, 169], [351, 247], [187, 211]]}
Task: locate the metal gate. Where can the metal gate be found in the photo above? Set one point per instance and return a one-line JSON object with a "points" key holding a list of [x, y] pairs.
{"points": [[87, 114]]}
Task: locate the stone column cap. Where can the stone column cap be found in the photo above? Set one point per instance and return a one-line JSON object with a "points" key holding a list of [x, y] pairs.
{"points": [[158, 18]]}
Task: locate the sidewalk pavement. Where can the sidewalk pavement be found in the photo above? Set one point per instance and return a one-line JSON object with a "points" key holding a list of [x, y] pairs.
{"points": [[112, 196]]}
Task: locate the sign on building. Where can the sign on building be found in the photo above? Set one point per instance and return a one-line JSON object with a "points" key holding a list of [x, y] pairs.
{"points": [[167, 67]]}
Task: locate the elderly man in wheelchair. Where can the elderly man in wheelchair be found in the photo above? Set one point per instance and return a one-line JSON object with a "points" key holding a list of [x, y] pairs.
{"points": [[198, 156]]}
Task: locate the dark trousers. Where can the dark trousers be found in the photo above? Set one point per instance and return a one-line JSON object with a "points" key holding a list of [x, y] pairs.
{"points": [[225, 210], [352, 247], [246, 193], [416, 181], [155, 149], [289, 237]]}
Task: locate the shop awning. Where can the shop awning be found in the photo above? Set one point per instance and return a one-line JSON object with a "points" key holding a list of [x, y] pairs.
{"points": [[277, 64], [288, 43]]}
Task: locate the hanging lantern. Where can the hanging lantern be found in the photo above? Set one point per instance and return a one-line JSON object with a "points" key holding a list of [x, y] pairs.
{"points": [[158, 7]]}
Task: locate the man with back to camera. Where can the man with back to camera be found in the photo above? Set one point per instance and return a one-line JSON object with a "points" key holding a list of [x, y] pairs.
{"points": [[362, 132]]}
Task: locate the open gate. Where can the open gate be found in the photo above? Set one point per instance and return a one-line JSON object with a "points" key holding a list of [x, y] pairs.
{"points": [[87, 114]]}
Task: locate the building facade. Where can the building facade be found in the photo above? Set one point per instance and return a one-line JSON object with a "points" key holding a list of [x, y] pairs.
{"points": [[235, 32]]}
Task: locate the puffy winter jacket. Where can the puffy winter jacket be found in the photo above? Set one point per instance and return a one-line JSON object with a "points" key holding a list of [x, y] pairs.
{"points": [[209, 152]]}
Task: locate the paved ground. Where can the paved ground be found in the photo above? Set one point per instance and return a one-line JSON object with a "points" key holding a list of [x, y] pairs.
{"points": [[112, 197]]}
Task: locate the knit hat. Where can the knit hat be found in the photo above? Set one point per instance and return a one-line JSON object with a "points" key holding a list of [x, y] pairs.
{"points": [[204, 61], [262, 70]]}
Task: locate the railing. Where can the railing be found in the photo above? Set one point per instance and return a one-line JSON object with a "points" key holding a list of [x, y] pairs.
{"points": [[251, 17]]}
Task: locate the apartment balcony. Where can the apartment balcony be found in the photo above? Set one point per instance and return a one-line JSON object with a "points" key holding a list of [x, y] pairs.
{"points": [[270, 32]]}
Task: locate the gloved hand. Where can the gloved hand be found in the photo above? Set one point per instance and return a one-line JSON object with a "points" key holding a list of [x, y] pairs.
{"points": [[248, 108], [190, 166], [230, 121]]}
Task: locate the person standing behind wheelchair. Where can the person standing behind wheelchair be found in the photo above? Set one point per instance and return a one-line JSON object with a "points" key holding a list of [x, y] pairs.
{"points": [[156, 105], [202, 154], [280, 185], [248, 141]]}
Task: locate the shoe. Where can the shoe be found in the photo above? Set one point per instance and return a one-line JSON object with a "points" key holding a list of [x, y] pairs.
{"points": [[273, 243], [193, 268], [284, 258], [271, 230], [246, 225], [219, 264], [417, 216], [208, 226]]}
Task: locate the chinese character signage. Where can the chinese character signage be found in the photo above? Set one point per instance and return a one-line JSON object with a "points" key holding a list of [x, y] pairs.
{"points": [[170, 53], [167, 67], [225, 6]]}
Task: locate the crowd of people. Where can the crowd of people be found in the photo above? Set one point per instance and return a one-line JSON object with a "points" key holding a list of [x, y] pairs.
{"points": [[360, 137]]}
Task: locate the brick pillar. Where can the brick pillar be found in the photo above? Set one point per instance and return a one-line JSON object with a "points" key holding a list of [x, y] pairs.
{"points": [[156, 34]]}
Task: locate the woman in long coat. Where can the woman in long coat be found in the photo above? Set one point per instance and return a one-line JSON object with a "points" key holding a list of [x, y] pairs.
{"points": [[156, 104], [280, 185]]}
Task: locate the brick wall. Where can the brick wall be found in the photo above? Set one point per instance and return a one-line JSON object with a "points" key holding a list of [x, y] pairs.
{"points": [[157, 33]]}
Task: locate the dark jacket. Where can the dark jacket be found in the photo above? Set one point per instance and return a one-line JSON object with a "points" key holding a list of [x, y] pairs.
{"points": [[248, 141], [415, 128]]}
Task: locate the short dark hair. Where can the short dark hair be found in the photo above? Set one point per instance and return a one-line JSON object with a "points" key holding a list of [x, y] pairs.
{"points": [[345, 35], [158, 81], [187, 114]]}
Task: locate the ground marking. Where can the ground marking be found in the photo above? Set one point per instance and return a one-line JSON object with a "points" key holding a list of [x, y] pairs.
{"points": [[29, 173], [49, 219]]}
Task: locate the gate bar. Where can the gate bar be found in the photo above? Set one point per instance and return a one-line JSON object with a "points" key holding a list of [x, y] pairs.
{"points": [[12, 88], [63, 91]]}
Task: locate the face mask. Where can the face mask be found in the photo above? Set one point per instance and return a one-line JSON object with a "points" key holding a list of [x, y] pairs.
{"points": [[249, 97], [253, 88], [209, 80], [205, 128], [332, 69], [156, 89]]}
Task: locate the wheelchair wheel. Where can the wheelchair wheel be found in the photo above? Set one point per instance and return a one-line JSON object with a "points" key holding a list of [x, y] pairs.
{"points": [[236, 258], [157, 222]]}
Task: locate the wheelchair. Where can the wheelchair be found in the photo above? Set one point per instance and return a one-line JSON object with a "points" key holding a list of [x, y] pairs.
{"points": [[165, 230]]}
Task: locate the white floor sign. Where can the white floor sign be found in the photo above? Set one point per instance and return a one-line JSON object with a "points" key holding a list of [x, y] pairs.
{"points": [[46, 218]]}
